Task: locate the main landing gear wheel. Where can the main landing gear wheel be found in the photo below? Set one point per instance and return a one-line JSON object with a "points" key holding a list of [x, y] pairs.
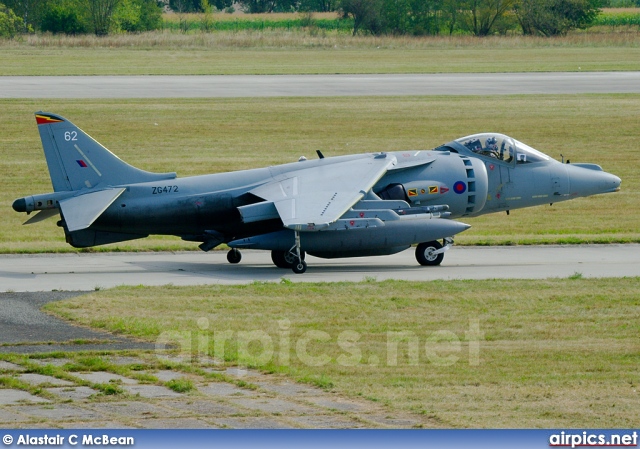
{"points": [[285, 259], [234, 256], [425, 256]]}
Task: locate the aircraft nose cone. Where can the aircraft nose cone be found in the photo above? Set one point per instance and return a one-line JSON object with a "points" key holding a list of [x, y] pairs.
{"points": [[589, 181], [615, 181], [20, 205], [608, 182]]}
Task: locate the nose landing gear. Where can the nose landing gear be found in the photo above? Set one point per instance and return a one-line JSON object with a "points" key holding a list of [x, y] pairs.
{"points": [[432, 253]]}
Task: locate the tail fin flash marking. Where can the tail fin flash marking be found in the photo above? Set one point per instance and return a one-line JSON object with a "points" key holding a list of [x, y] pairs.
{"points": [[44, 119]]}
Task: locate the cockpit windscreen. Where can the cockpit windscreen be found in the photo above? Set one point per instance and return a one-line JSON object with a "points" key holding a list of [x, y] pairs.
{"points": [[502, 148]]}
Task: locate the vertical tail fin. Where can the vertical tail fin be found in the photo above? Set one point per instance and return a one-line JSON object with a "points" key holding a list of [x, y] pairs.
{"points": [[76, 161]]}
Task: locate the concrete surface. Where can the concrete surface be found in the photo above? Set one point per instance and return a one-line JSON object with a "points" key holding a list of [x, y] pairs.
{"points": [[217, 86], [272, 402], [24, 328], [19, 273]]}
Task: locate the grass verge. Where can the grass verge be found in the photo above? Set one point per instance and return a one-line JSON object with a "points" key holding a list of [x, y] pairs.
{"points": [[302, 52], [495, 353]]}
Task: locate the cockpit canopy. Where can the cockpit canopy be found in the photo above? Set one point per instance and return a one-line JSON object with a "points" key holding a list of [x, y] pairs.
{"points": [[503, 148]]}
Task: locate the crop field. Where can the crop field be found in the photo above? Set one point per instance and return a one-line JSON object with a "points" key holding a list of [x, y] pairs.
{"points": [[216, 135], [559, 353], [619, 18], [189, 22]]}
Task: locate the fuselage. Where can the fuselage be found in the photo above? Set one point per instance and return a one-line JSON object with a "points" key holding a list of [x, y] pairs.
{"points": [[470, 176], [470, 184]]}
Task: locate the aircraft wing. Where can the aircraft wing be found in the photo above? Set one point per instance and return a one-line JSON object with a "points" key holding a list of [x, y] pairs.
{"points": [[310, 199], [81, 211]]}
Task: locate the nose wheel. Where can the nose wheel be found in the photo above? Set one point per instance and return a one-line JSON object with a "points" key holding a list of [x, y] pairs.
{"points": [[432, 253]]}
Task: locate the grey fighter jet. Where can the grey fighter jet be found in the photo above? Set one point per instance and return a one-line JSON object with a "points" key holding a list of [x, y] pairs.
{"points": [[345, 206]]}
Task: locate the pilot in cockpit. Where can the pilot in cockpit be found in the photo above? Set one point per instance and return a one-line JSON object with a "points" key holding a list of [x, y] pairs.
{"points": [[508, 154], [491, 149]]}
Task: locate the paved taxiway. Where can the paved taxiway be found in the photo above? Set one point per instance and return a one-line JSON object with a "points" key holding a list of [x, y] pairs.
{"points": [[317, 85], [86, 271], [24, 328]]}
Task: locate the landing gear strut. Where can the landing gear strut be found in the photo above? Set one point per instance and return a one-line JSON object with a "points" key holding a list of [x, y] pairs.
{"points": [[299, 265], [234, 256]]}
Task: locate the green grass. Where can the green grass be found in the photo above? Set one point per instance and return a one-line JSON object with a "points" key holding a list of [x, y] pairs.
{"points": [[282, 52], [215, 135], [91, 361], [495, 353], [181, 385]]}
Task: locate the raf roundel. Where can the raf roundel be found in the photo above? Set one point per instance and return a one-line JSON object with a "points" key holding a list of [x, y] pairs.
{"points": [[459, 187]]}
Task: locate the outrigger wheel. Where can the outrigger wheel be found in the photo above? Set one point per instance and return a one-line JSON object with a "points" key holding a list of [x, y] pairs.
{"points": [[234, 256]]}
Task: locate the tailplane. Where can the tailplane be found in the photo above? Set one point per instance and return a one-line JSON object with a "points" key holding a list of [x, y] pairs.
{"points": [[76, 161]]}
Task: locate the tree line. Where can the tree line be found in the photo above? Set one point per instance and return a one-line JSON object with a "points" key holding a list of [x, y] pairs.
{"points": [[478, 17], [397, 17], [80, 16]]}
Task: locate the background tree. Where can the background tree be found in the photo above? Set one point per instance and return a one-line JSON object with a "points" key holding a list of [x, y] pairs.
{"points": [[198, 5], [318, 5], [185, 5], [150, 15], [396, 16], [206, 18], [366, 14], [64, 16], [483, 15], [137, 16], [10, 23], [29, 10], [101, 12], [221, 4], [450, 15], [555, 17], [262, 6], [426, 17]]}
